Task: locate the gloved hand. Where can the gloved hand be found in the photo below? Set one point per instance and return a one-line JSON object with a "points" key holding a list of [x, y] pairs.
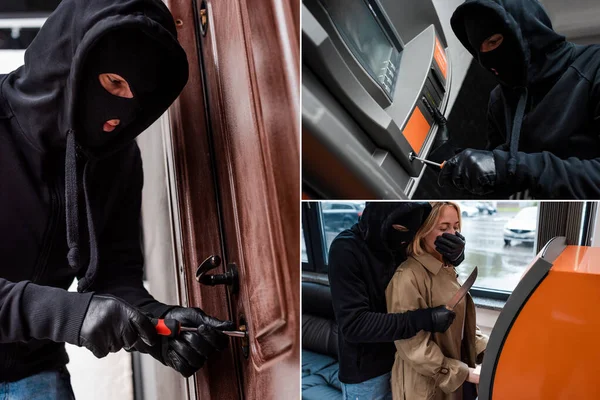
{"points": [[187, 352], [441, 318], [452, 247], [110, 325], [470, 170]]}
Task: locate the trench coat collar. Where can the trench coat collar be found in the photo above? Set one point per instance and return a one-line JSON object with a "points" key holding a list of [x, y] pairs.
{"points": [[430, 263]]}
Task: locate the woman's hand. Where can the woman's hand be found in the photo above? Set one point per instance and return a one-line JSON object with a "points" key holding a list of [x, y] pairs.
{"points": [[474, 375]]}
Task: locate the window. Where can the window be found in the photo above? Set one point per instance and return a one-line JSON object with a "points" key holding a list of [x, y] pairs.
{"points": [[337, 217], [501, 241], [20, 22], [21, 7], [502, 236], [304, 255]]}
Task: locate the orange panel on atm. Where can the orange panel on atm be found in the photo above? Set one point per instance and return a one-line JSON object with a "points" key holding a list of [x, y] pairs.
{"points": [[416, 130], [552, 350]]}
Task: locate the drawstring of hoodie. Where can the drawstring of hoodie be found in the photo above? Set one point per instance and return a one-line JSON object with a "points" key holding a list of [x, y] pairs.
{"points": [[87, 281], [72, 201], [72, 214], [515, 135]]}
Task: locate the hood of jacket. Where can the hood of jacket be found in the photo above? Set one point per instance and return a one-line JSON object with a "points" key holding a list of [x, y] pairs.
{"points": [[546, 53], [43, 93], [376, 226]]}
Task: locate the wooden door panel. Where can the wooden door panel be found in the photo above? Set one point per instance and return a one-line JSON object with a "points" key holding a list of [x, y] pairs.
{"points": [[238, 185], [251, 61], [199, 209]]}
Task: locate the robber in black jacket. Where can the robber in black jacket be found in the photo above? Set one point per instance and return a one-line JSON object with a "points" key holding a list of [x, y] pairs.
{"points": [[98, 74], [362, 261], [543, 117]]}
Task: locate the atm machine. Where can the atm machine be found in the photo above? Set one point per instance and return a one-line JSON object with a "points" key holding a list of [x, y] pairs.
{"points": [[544, 345], [376, 80]]}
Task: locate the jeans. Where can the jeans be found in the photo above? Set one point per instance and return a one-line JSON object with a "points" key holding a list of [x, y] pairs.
{"points": [[48, 385], [378, 388]]}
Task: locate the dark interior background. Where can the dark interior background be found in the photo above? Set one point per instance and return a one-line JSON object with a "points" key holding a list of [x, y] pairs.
{"points": [[28, 6], [22, 9]]}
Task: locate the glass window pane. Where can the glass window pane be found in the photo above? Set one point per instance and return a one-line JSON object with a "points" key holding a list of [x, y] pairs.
{"points": [[337, 216], [303, 246], [501, 239]]}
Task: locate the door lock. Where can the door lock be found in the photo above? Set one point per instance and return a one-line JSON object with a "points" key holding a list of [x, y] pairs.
{"points": [[229, 278]]}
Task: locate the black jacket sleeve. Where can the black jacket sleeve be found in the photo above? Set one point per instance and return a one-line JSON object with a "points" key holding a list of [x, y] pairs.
{"points": [[350, 298], [29, 311], [121, 267], [550, 177]]}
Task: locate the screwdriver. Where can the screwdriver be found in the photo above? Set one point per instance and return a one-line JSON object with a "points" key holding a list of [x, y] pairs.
{"points": [[172, 328], [412, 156]]}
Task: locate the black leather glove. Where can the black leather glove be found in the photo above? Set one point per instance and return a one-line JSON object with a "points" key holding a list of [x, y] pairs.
{"points": [[441, 319], [470, 170], [110, 325], [187, 352], [452, 247]]}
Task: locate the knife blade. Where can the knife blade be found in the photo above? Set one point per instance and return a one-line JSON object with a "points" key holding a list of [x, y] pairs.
{"points": [[462, 291]]}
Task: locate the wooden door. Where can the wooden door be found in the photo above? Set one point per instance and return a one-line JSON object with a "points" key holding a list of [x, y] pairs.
{"points": [[235, 146]]}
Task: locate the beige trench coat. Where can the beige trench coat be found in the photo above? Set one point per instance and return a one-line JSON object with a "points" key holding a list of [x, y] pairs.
{"points": [[432, 366]]}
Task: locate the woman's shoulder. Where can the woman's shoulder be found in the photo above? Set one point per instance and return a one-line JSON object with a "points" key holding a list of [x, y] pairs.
{"points": [[410, 267]]}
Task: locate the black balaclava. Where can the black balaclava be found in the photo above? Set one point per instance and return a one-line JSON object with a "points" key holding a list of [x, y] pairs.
{"points": [[507, 59], [134, 57], [378, 218], [385, 242]]}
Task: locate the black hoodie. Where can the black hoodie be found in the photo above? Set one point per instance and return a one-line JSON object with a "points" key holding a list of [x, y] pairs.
{"points": [[40, 173], [551, 143], [362, 261]]}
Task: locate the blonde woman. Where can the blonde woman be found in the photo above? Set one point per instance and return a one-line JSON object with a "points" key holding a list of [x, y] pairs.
{"points": [[438, 366]]}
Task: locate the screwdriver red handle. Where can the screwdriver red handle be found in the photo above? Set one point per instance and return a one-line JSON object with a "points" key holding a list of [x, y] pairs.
{"points": [[167, 327]]}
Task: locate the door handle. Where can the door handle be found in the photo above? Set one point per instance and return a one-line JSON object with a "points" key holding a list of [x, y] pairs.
{"points": [[229, 278]]}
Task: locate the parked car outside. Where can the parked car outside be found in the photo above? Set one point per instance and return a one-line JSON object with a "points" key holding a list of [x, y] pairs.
{"points": [[522, 227], [338, 216], [485, 207], [468, 210]]}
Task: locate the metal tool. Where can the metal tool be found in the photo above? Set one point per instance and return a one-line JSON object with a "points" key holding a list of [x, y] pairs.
{"points": [[239, 334], [462, 291], [172, 328], [412, 156]]}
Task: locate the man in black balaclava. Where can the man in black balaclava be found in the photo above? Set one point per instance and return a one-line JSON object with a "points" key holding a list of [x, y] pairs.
{"points": [[543, 117], [362, 261], [97, 75]]}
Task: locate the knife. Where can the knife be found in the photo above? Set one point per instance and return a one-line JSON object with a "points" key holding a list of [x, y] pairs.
{"points": [[462, 291]]}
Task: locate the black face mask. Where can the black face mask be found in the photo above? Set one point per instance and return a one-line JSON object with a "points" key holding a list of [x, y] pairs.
{"points": [[409, 222], [131, 55], [100, 106], [507, 61]]}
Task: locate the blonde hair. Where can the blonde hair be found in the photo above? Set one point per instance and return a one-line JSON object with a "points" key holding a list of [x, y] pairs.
{"points": [[416, 247]]}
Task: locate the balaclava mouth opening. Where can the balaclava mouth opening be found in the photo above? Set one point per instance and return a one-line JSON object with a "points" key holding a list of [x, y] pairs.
{"points": [[134, 57], [507, 61]]}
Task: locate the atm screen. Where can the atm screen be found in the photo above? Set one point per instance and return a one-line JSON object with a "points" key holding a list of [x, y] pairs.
{"points": [[366, 39]]}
